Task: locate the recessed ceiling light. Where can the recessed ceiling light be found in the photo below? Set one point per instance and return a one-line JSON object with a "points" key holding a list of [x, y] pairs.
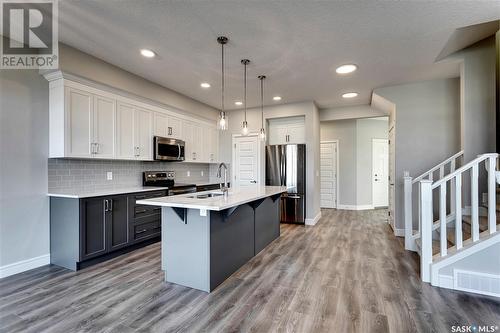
{"points": [[205, 85], [350, 95], [277, 98], [147, 53], [346, 69], [238, 103]]}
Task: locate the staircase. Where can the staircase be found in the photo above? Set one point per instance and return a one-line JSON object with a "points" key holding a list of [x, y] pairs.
{"points": [[463, 234]]}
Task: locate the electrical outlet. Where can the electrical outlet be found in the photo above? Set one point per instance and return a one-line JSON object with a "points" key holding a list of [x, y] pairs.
{"points": [[109, 175], [188, 173], [202, 173]]}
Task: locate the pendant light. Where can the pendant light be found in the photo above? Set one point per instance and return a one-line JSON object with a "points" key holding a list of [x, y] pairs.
{"points": [[222, 123], [244, 127], [262, 134]]}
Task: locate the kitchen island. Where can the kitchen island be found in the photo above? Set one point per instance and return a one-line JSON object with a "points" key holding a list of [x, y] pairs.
{"points": [[207, 236]]}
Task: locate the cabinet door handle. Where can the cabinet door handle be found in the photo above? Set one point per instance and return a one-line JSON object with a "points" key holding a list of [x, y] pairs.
{"points": [[111, 205], [92, 148], [141, 231], [169, 130], [106, 205], [97, 148]]}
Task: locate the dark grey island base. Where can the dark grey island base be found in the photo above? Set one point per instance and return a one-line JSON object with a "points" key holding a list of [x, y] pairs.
{"points": [[202, 248]]}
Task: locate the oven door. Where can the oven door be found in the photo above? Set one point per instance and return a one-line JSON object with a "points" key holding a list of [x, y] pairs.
{"points": [[166, 149]]}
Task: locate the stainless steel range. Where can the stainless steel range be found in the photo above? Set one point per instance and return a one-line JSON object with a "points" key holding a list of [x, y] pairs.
{"points": [[166, 179]]}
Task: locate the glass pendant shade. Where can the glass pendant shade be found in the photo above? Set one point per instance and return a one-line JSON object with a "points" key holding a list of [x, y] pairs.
{"points": [[262, 134], [244, 128], [222, 124]]}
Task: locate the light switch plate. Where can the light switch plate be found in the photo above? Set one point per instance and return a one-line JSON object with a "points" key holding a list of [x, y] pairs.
{"points": [[188, 173], [109, 175], [202, 173]]}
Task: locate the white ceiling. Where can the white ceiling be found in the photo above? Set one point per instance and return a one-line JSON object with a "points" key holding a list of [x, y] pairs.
{"points": [[297, 44]]}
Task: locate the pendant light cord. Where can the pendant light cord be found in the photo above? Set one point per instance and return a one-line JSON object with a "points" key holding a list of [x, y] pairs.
{"points": [[262, 100], [245, 88], [222, 102]]}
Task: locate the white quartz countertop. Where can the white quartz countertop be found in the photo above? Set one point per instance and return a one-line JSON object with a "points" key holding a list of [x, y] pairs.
{"points": [[81, 193], [236, 197]]}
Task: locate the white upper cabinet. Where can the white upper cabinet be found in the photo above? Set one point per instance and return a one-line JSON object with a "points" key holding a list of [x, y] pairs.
{"points": [[143, 138], [90, 122], [289, 130], [104, 127], [134, 133], [167, 126], [79, 124], [125, 120], [212, 137], [174, 128], [160, 124]]}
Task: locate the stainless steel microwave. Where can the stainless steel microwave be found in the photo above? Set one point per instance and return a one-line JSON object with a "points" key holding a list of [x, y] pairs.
{"points": [[168, 149]]}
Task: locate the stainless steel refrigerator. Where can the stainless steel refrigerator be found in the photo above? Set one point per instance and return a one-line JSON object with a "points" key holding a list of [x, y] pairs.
{"points": [[286, 166]]}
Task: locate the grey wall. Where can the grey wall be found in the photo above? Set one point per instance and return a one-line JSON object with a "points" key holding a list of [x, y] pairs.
{"points": [[477, 83], [349, 112], [82, 64], [311, 113], [345, 132], [24, 126], [90, 175], [427, 128], [355, 156]]}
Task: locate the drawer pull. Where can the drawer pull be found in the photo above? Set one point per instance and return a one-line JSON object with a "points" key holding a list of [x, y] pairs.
{"points": [[141, 211], [141, 231]]}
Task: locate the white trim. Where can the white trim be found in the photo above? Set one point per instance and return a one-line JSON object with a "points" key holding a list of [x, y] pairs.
{"points": [[355, 207], [446, 281], [24, 265], [314, 220], [399, 232], [260, 157], [121, 95], [467, 250], [337, 181]]}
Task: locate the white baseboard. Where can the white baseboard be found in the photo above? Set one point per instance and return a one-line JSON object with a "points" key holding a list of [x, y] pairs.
{"points": [[354, 207], [24, 265], [399, 232], [446, 281], [314, 220]]}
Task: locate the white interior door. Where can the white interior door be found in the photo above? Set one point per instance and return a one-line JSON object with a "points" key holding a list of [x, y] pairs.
{"points": [[392, 173], [380, 172], [328, 173], [246, 161]]}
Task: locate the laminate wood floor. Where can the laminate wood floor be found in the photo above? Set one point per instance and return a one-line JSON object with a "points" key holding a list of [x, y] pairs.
{"points": [[346, 274]]}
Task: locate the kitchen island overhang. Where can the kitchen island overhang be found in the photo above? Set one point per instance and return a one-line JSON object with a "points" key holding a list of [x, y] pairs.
{"points": [[206, 236]]}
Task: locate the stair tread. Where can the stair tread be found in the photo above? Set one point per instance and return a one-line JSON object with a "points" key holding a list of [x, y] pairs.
{"points": [[436, 247], [483, 222]]}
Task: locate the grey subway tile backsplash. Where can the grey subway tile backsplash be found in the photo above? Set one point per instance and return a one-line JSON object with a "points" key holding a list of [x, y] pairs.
{"points": [[65, 174]]}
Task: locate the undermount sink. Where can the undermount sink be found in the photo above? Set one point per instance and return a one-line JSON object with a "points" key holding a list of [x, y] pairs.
{"points": [[206, 195]]}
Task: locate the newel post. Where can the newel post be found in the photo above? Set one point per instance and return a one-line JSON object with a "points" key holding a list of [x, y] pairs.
{"points": [[408, 212], [426, 229]]}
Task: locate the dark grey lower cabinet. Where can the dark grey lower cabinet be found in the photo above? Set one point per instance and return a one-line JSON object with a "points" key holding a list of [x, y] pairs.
{"points": [[93, 228], [86, 230]]}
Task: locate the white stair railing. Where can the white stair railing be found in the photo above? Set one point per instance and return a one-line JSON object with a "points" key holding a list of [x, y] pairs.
{"points": [[447, 166], [455, 180]]}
